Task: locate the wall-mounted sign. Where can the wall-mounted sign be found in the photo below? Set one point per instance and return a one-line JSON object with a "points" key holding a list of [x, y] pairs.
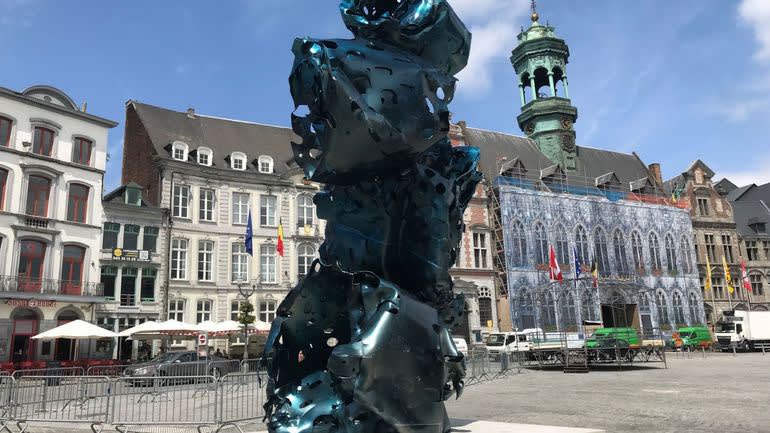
{"points": [[130, 255], [30, 303]]}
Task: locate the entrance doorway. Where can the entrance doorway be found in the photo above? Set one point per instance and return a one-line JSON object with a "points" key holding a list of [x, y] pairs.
{"points": [[25, 325], [620, 316], [463, 329], [64, 349]]}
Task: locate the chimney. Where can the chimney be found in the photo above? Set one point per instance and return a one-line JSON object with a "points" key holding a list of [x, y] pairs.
{"points": [[84, 107], [191, 113], [656, 173]]}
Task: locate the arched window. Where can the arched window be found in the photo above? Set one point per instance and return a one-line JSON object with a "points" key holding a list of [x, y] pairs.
{"points": [[205, 156], [568, 312], [684, 248], [527, 310], [541, 244], [179, 151], [637, 251], [548, 312], [3, 187], [305, 210], [305, 256], [42, 142], [38, 191], [265, 164], [600, 250], [31, 265], [238, 161], [485, 307], [581, 245], [671, 264], [203, 311], [6, 126], [77, 203], [662, 305], [519, 244], [72, 269], [621, 259], [679, 309], [587, 305], [562, 245], [655, 252], [694, 310]]}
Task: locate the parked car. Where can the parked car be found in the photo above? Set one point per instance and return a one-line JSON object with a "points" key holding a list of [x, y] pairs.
{"points": [[692, 337], [185, 364], [461, 345], [610, 338]]}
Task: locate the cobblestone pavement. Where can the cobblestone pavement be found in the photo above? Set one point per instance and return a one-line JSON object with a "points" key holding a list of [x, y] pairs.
{"points": [[722, 393]]}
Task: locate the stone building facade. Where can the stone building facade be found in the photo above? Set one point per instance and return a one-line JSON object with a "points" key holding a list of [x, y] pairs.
{"points": [[52, 161], [210, 173]]}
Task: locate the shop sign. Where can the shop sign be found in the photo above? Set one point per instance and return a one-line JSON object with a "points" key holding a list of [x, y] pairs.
{"points": [[30, 303], [130, 255]]}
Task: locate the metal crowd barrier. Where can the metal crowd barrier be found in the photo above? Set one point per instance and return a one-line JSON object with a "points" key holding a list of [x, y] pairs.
{"points": [[53, 372]]}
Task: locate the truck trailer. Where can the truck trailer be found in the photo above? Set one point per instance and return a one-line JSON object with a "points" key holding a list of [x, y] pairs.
{"points": [[745, 330]]}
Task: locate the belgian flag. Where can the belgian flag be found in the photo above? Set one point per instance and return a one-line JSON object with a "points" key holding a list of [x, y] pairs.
{"points": [[279, 245]]}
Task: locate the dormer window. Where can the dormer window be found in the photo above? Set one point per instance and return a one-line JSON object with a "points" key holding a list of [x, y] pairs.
{"points": [[133, 196], [238, 161], [265, 164], [205, 156], [179, 151]]}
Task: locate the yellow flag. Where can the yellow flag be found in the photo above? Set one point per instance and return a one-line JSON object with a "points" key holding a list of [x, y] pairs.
{"points": [[728, 279], [708, 273]]}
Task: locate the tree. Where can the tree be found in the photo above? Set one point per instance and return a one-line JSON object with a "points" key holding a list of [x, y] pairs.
{"points": [[246, 318]]}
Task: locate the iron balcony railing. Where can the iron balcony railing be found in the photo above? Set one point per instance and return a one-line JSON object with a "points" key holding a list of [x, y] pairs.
{"points": [[24, 284]]}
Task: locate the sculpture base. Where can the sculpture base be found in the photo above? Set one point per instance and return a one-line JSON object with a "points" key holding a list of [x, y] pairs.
{"points": [[468, 426]]}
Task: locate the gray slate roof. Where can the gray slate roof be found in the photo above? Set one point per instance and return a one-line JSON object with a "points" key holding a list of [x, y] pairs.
{"points": [[223, 136], [751, 205]]}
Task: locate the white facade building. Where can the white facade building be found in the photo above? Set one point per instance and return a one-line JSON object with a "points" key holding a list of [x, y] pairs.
{"points": [[52, 162]]}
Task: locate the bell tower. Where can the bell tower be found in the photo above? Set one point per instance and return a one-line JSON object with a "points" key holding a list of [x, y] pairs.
{"points": [[547, 115]]}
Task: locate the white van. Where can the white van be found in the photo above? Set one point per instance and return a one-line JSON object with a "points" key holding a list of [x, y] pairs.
{"points": [[498, 343]]}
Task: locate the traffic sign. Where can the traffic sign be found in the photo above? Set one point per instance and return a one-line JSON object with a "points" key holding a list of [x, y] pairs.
{"points": [[203, 339]]}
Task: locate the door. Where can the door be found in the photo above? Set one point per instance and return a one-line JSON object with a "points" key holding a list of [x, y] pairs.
{"points": [[31, 263], [22, 344]]}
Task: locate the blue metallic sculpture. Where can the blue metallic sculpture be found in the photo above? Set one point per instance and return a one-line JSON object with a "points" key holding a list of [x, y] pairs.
{"points": [[363, 343]]}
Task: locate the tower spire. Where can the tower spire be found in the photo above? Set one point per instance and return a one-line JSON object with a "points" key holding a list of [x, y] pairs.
{"points": [[534, 16]]}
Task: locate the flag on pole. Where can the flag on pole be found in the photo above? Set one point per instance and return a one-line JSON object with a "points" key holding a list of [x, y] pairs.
{"points": [[728, 279], [248, 240], [595, 273], [553, 266], [707, 284], [745, 277], [279, 245], [578, 264]]}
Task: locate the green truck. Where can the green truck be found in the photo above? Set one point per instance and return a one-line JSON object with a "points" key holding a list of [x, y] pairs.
{"points": [[609, 338]]}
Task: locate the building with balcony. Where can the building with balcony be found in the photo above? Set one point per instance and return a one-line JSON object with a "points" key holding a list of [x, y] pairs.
{"points": [[210, 173], [52, 162], [131, 266]]}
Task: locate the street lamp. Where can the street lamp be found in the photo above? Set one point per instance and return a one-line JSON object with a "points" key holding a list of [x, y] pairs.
{"points": [[246, 291]]}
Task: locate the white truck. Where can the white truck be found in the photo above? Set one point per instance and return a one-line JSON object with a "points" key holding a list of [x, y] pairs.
{"points": [[746, 330], [499, 343]]}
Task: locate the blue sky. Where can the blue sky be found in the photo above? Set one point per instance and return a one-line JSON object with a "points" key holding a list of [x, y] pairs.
{"points": [[671, 80]]}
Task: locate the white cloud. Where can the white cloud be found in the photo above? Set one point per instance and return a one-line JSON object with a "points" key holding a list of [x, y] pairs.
{"points": [[757, 14], [755, 172], [494, 25], [738, 111]]}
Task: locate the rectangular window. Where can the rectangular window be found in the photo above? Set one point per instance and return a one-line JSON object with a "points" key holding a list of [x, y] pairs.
{"points": [[711, 248], [206, 205], [176, 310], [109, 273], [240, 263], [148, 285], [179, 259], [766, 248], [718, 284], [205, 260], [480, 250], [267, 210], [77, 203], [150, 240], [752, 251], [267, 266], [235, 310], [238, 163], [5, 131], [267, 311], [110, 236], [181, 201], [3, 183], [81, 151], [128, 287], [703, 206], [179, 153], [240, 208], [756, 285], [727, 248], [305, 210], [38, 191], [42, 143], [203, 311], [130, 237]]}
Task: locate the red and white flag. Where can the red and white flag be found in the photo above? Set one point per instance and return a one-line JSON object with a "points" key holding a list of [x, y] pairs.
{"points": [[553, 266], [745, 278]]}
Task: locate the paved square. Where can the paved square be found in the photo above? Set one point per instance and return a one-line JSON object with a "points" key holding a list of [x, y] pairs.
{"points": [[721, 393]]}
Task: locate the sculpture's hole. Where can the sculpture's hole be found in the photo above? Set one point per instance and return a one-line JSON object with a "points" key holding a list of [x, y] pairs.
{"points": [[440, 188], [302, 111], [314, 384], [354, 106], [440, 93], [305, 404], [429, 105], [329, 44], [316, 153], [429, 173]]}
